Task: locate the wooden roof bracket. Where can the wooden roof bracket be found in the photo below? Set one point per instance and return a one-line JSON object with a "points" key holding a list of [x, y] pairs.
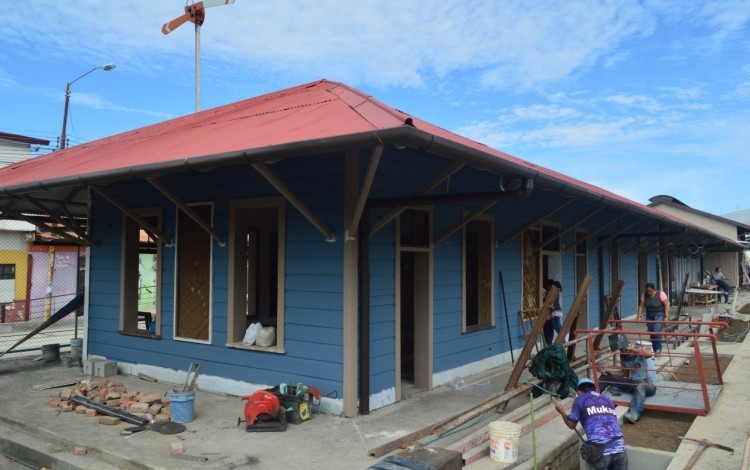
{"points": [[359, 205], [153, 231], [534, 221], [570, 227], [432, 184], [458, 225], [67, 223], [72, 219], [294, 200], [614, 235], [594, 232], [82, 239], [187, 210]]}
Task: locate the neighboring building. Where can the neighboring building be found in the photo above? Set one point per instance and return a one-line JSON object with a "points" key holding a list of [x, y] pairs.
{"points": [[732, 262], [44, 267], [742, 216], [388, 254], [14, 269], [15, 148], [15, 237]]}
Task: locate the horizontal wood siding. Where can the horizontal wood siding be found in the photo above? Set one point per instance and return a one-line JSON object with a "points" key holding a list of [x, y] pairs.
{"points": [[382, 309], [313, 297], [314, 277]]}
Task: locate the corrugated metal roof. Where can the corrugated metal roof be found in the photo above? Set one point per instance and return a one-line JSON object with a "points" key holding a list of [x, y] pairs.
{"points": [[314, 111], [316, 116]]}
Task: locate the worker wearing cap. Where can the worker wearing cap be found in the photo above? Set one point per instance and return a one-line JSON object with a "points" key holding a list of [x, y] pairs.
{"points": [[637, 376], [596, 412]]}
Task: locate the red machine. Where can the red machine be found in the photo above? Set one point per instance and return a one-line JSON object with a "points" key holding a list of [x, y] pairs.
{"points": [[263, 413]]}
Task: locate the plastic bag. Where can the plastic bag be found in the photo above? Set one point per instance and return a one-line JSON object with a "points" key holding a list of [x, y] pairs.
{"points": [[251, 333], [266, 336]]}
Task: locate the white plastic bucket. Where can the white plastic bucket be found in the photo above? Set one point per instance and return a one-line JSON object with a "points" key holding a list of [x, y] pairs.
{"points": [[504, 441]]}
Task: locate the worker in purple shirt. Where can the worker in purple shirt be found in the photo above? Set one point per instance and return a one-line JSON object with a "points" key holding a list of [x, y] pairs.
{"points": [[596, 413]]}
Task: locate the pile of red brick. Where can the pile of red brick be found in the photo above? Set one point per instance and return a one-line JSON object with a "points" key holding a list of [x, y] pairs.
{"points": [[114, 395]]}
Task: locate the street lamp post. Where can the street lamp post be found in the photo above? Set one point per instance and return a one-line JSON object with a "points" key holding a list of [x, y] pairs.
{"points": [[106, 68]]}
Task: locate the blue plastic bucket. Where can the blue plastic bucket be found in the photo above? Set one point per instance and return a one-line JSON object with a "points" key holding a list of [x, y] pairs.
{"points": [[182, 406]]}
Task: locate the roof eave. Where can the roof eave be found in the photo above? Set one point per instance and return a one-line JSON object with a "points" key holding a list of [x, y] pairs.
{"points": [[399, 137]]}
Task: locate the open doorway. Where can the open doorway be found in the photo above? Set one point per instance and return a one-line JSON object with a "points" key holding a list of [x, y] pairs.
{"points": [[414, 305], [415, 324], [552, 261]]}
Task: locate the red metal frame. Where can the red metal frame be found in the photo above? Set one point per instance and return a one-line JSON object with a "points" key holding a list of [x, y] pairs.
{"points": [[676, 360]]}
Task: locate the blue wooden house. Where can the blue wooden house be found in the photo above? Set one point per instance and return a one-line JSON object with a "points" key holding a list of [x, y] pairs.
{"points": [[389, 255]]}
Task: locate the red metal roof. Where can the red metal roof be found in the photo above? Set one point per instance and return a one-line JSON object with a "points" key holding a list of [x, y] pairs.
{"points": [[317, 112]]}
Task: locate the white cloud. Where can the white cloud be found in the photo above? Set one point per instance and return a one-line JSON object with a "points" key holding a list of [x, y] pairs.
{"points": [[544, 112], [512, 43], [98, 102]]}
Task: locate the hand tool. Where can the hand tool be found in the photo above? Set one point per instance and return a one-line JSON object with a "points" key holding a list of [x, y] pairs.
{"points": [[703, 443]]}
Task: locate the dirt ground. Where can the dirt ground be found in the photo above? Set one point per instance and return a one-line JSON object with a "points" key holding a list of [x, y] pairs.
{"points": [[661, 429]]}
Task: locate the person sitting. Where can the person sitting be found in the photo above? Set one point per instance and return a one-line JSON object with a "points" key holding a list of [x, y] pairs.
{"points": [[721, 280], [637, 375]]}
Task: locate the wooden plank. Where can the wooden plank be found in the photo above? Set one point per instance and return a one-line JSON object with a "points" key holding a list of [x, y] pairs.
{"points": [[194, 382], [527, 316], [529, 344], [477, 453], [442, 427], [608, 315], [483, 450], [479, 409], [573, 312], [682, 296], [478, 437], [56, 384]]}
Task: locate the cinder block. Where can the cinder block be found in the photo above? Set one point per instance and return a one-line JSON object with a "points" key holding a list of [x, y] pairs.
{"points": [[105, 368], [88, 366]]}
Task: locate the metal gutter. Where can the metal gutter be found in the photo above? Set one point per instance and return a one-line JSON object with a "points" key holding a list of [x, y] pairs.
{"points": [[400, 137]]}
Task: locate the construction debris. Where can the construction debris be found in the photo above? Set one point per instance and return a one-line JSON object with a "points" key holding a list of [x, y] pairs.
{"points": [[177, 448], [191, 458], [108, 397], [109, 420]]}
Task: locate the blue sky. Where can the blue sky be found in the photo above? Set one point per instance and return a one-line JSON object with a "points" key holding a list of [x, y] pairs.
{"points": [[638, 97]]}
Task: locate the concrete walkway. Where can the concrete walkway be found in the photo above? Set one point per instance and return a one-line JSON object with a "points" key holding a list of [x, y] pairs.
{"points": [[324, 442]]}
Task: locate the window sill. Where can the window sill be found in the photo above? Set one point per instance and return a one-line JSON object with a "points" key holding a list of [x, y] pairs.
{"points": [[142, 334], [270, 349], [478, 328]]}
